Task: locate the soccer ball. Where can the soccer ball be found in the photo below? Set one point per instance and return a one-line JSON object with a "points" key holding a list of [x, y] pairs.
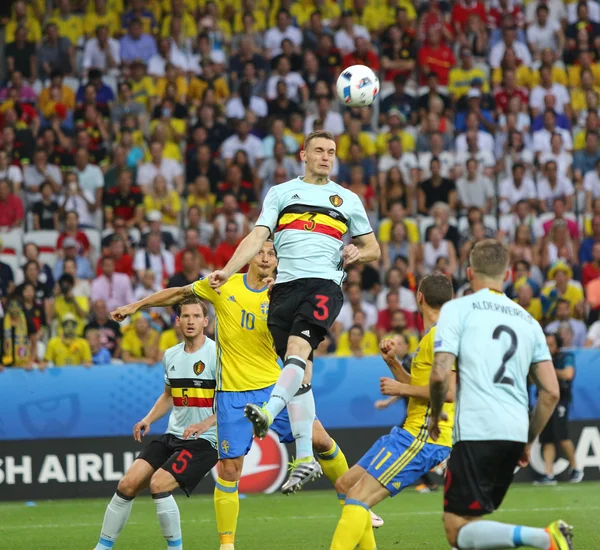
{"points": [[357, 86]]}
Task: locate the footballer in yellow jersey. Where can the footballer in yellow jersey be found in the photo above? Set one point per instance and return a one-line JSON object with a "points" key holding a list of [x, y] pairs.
{"points": [[400, 458]]}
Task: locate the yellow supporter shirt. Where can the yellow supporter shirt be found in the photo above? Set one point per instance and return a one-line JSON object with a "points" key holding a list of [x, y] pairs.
{"points": [[168, 339], [132, 343], [189, 5], [180, 83], [199, 86], [459, 81], [92, 21], [34, 31], [573, 294], [385, 230], [246, 358], [61, 354], [188, 26], [172, 200], [70, 27], [369, 345], [575, 75], [112, 6], [578, 98], [418, 411], [408, 142], [365, 141], [388, 13], [62, 307], [534, 309], [205, 204], [142, 90], [303, 11], [260, 21], [47, 105]]}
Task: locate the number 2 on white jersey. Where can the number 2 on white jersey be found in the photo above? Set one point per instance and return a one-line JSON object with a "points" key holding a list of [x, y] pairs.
{"points": [[500, 377]]}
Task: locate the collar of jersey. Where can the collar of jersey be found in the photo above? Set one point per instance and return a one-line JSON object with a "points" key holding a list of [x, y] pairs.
{"points": [[252, 289]]}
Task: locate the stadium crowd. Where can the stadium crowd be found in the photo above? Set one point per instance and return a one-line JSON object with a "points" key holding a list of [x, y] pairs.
{"points": [[138, 139]]}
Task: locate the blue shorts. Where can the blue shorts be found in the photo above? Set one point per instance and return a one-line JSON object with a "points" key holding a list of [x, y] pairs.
{"points": [[398, 459], [234, 430]]}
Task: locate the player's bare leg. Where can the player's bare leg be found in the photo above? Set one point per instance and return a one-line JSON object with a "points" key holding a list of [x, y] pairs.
{"points": [[226, 499], [135, 480], [354, 527], [470, 533], [161, 485]]}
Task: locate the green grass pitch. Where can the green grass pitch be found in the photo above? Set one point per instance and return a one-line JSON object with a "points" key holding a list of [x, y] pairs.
{"points": [[305, 521]]}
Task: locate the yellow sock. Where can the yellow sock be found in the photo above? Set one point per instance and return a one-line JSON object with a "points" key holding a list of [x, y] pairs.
{"points": [[367, 542], [351, 527], [333, 462], [227, 508]]}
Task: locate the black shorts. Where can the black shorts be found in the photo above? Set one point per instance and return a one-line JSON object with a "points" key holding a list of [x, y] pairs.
{"points": [[306, 308], [557, 428], [478, 476], [188, 461]]}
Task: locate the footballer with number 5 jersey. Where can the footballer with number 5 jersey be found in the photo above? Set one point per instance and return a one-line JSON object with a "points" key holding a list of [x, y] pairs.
{"points": [[170, 461], [308, 217]]}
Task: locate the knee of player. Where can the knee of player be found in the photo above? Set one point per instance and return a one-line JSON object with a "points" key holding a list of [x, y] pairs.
{"points": [[321, 440], [230, 470], [161, 482], [299, 347], [129, 486], [341, 485]]}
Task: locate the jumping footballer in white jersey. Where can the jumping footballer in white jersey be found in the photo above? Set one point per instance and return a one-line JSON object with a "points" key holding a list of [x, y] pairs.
{"points": [[309, 217], [496, 344], [170, 461]]}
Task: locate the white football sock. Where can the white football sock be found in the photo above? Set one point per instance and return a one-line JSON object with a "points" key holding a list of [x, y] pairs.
{"points": [[301, 411], [169, 520], [115, 518], [288, 384], [487, 535]]}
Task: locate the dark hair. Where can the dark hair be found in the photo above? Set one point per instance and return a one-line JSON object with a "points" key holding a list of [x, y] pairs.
{"points": [[66, 278], [563, 301], [524, 263], [436, 289], [190, 301], [557, 338], [356, 327]]}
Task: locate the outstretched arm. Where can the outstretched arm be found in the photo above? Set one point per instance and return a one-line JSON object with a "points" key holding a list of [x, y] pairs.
{"points": [[245, 251], [162, 298]]}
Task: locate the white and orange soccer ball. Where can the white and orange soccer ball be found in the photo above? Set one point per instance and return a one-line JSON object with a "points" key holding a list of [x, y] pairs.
{"points": [[357, 86]]}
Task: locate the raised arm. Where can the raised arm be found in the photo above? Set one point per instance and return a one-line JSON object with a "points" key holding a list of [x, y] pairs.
{"points": [[162, 298], [363, 250], [245, 251], [388, 353]]}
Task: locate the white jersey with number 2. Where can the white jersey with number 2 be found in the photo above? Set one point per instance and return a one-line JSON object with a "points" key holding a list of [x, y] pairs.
{"points": [[495, 341]]}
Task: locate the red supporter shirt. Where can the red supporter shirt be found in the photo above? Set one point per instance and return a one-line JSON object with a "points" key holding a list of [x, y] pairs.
{"points": [[11, 211], [463, 9], [80, 237], [496, 14], [245, 195], [123, 265], [589, 272], [503, 97], [439, 60], [370, 59], [384, 320], [204, 250], [223, 254], [123, 206]]}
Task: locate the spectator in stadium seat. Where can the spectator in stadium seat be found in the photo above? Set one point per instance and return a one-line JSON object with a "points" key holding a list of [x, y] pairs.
{"points": [[544, 32], [587, 161], [69, 25], [400, 326], [241, 189], [19, 345], [45, 211], [20, 20], [161, 262], [7, 278], [526, 300], [164, 201], [110, 331], [68, 349], [200, 196], [38, 172], [509, 40], [516, 188], [72, 231], [154, 227], [587, 245], [560, 286], [77, 200], [395, 281], [399, 99], [244, 140], [237, 107], [167, 52], [81, 287], [563, 160], [474, 189], [522, 215], [192, 243], [563, 316], [140, 342], [91, 179], [542, 138], [356, 343], [435, 57], [101, 15], [170, 169], [278, 159], [228, 245], [356, 158], [558, 244], [437, 247], [296, 87], [384, 317], [332, 121], [11, 207], [31, 252], [347, 33], [112, 287], [522, 248], [70, 250], [353, 302], [284, 29], [124, 202], [591, 269], [67, 304], [116, 246], [559, 207], [102, 52], [34, 311], [191, 267], [362, 55], [204, 165], [55, 54], [552, 186], [137, 45], [100, 355], [436, 189], [548, 87], [17, 90], [230, 212]]}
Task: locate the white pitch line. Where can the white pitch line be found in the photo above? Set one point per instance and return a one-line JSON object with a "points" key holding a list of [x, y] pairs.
{"points": [[288, 518]]}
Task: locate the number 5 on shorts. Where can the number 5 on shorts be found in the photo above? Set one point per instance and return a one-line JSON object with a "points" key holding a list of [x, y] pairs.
{"points": [[322, 311], [182, 461]]}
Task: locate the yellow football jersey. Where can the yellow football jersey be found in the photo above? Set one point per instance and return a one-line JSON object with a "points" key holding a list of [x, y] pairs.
{"points": [[246, 358], [419, 409]]}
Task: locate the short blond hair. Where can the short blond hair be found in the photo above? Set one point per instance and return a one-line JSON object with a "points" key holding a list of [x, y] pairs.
{"points": [[489, 259], [316, 135]]}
